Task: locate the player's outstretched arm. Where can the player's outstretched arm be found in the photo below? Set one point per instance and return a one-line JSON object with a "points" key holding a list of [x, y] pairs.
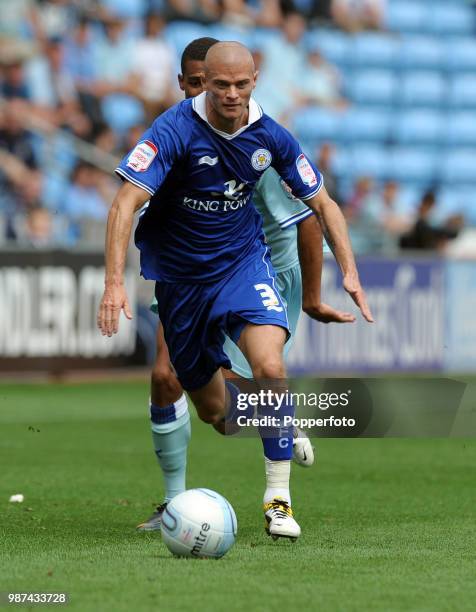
{"points": [[128, 200], [335, 231], [309, 234]]}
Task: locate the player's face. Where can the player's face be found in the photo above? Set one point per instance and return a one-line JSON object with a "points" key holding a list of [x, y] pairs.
{"points": [[230, 90], [191, 81]]}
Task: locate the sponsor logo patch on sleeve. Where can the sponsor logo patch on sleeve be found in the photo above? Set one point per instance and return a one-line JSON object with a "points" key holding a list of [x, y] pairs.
{"points": [[142, 156], [307, 174]]}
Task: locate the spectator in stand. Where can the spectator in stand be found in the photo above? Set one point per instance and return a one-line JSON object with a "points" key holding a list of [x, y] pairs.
{"points": [[362, 192], [52, 18], [80, 49], [154, 67], [115, 83], [15, 17], [355, 15], [53, 89], [13, 83], [107, 141], [320, 10], [202, 11], [387, 212], [37, 229], [426, 236], [324, 163], [323, 84], [86, 197], [284, 62], [14, 138], [382, 219], [269, 13], [113, 58]]}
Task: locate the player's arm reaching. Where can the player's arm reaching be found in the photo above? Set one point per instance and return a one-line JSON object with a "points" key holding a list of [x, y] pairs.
{"points": [[128, 200], [335, 231], [309, 236], [306, 183]]}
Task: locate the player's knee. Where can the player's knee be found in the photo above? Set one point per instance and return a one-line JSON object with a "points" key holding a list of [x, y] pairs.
{"points": [[269, 367], [162, 376], [164, 382], [210, 412], [210, 417]]}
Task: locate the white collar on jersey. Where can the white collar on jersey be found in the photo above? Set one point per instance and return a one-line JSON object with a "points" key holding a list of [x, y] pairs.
{"points": [[199, 106]]}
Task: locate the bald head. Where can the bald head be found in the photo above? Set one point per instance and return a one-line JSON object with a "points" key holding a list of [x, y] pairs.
{"points": [[230, 77], [229, 55]]}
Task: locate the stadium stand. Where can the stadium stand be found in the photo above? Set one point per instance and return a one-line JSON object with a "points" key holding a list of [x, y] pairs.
{"points": [[407, 111]]}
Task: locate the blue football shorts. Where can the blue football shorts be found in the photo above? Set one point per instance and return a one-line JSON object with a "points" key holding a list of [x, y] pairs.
{"points": [[197, 316], [289, 285]]}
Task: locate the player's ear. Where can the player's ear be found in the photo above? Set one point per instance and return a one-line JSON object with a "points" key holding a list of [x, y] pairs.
{"points": [[180, 79], [255, 78]]}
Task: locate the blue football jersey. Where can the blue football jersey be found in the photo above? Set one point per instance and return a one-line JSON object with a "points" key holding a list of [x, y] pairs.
{"points": [[200, 222]]}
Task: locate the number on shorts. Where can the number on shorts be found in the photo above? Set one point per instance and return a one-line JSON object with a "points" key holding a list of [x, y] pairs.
{"points": [[269, 297]]}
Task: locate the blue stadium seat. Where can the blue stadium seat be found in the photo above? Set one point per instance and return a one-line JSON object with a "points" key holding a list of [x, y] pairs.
{"points": [[451, 18], [412, 165], [261, 37], [425, 88], [317, 124], [454, 200], [121, 112], [369, 161], [335, 46], [375, 50], [127, 8], [422, 126], [460, 129], [224, 32], [461, 54], [407, 16], [373, 87], [462, 91], [179, 34], [342, 162], [367, 125], [421, 52], [459, 166]]}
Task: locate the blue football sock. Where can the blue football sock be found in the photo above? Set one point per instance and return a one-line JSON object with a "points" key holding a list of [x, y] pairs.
{"points": [[171, 435], [277, 441], [235, 410]]}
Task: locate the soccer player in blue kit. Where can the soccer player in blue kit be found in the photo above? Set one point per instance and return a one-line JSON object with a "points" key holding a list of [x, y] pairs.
{"points": [[201, 241], [282, 213]]}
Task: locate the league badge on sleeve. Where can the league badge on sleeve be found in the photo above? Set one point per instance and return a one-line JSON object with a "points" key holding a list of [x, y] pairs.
{"points": [[142, 156], [261, 159], [307, 174]]}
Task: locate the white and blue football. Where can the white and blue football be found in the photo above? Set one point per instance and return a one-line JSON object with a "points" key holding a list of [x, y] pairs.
{"points": [[199, 523]]}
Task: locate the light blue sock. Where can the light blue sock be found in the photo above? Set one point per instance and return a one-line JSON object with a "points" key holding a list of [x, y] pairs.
{"points": [[171, 434]]}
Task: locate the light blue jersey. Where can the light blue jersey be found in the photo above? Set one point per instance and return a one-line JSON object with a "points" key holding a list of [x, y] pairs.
{"points": [[281, 211]]}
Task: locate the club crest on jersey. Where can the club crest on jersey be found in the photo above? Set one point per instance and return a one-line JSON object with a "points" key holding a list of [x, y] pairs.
{"points": [[261, 159], [142, 156], [307, 174]]}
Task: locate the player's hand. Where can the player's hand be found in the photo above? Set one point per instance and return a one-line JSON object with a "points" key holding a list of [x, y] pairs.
{"points": [[354, 289], [114, 300], [326, 314]]}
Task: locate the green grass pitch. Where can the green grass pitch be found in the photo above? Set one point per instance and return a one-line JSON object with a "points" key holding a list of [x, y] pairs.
{"points": [[387, 524]]}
